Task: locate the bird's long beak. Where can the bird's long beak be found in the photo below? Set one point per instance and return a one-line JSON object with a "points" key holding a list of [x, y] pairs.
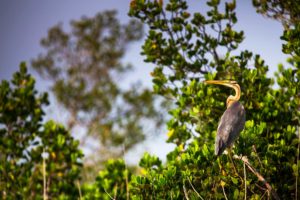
{"points": [[222, 82], [232, 84]]}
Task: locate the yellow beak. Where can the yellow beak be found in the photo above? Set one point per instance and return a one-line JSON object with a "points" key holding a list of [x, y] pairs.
{"points": [[227, 83]]}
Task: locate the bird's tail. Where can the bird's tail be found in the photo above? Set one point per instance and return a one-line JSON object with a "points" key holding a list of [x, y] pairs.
{"points": [[219, 146]]}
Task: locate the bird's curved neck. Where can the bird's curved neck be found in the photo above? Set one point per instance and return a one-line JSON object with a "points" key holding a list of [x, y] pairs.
{"points": [[231, 99]]}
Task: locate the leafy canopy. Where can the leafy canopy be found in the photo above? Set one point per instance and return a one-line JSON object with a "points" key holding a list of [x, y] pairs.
{"points": [[188, 48], [25, 141]]}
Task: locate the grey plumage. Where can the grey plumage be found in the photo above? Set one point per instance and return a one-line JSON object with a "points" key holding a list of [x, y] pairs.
{"points": [[231, 124]]}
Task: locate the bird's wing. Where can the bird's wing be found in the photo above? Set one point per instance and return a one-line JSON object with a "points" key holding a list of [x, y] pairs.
{"points": [[231, 124]]}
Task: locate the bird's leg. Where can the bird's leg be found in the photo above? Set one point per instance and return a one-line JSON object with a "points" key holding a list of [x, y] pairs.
{"points": [[221, 167], [230, 157], [231, 160]]}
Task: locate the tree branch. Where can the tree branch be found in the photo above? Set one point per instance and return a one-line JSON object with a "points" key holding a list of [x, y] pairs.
{"points": [[258, 175], [185, 192], [194, 189]]}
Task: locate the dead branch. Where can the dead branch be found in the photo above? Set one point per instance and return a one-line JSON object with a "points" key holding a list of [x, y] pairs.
{"points": [[258, 175]]}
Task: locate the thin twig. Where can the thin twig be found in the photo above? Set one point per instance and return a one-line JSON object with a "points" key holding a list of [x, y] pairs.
{"points": [[224, 192], [44, 177], [264, 194], [126, 174], [79, 190], [261, 188], [185, 193], [48, 183], [254, 148], [258, 175], [127, 186], [116, 191], [245, 180], [194, 189], [297, 173], [108, 194]]}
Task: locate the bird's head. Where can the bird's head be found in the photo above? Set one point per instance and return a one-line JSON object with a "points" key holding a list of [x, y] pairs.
{"points": [[228, 83]]}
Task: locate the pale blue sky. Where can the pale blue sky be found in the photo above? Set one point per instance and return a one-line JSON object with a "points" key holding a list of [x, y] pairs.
{"points": [[24, 23]]}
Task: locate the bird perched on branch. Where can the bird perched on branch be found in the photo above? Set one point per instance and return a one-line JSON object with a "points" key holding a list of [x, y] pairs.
{"points": [[232, 121]]}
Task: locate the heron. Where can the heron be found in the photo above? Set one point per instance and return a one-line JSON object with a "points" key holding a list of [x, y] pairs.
{"points": [[233, 119]]}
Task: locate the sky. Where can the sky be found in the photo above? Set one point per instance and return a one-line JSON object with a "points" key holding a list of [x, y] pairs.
{"points": [[24, 23]]}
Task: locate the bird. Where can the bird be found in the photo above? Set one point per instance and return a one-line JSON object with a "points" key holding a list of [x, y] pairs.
{"points": [[233, 119]]}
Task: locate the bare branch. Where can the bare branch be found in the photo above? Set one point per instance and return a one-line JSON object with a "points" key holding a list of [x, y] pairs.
{"points": [[245, 180], [224, 192], [258, 175], [44, 177], [297, 173], [79, 190], [185, 192], [194, 189]]}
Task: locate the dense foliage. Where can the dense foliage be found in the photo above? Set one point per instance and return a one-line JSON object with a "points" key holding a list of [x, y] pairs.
{"points": [[26, 142], [189, 48], [111, 183], [186, 48]]}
